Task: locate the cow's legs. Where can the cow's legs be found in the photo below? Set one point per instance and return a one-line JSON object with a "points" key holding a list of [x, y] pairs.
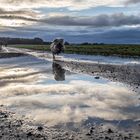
{"points": [[53, 56]]}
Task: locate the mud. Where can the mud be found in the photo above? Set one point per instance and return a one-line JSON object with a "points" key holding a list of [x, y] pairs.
{"points": [[128, 74], [9, 55], [15, 127]]}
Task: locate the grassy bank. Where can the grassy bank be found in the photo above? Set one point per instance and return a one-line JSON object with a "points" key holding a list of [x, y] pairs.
{"points": [[122, 50]]}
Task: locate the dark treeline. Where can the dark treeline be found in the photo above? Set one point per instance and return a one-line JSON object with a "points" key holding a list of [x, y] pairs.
{"points": [[87, 43], [34, 41], [12, 41]]}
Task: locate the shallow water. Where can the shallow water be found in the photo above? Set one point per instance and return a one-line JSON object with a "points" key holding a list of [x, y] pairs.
{"points": [[102, 59], [50, 95], [83, 58]]}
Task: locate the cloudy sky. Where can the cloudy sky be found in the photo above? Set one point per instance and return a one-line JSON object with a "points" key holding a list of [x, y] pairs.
{"points": [[108, 21]]}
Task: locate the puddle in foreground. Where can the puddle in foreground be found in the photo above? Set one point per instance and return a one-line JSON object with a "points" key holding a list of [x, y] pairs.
{"points": [[50, 95]]}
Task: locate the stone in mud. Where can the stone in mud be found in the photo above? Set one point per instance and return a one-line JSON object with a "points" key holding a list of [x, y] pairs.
{"points": [[109, 131], [29, 134], [40, 128], [107, 138], [91, 131], [38, 135], [5, 116], [92, 128], [71, 137], [88, 134], [97, 77], [137, 137]]}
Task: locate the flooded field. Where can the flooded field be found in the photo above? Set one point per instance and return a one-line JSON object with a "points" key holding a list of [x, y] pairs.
{"points": [[50, 95]]}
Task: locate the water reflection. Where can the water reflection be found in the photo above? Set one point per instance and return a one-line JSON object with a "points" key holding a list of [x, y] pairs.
{"points": [[128, 74], [80, 99], [58, 71]]}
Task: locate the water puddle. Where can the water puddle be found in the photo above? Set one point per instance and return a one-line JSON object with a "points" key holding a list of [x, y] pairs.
{"points": [[50, 95]]}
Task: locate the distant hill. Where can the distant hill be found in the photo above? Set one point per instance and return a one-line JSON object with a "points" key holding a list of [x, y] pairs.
{"points": [[11, 41]]}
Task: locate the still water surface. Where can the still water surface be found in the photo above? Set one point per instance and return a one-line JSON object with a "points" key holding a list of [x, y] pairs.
{"points": [[50, 95]]}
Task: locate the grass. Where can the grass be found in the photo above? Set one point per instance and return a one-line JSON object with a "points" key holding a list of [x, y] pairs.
{"points": [[120, 50]]}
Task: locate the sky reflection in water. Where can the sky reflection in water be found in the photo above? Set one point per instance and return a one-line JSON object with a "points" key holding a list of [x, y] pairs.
{"points": [[46, 93]]}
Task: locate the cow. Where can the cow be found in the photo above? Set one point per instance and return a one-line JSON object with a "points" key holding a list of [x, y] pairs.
{"points": [[57, 47]]}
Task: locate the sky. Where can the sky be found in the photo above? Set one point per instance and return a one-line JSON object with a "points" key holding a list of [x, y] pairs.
{"points": [[101, 21]]}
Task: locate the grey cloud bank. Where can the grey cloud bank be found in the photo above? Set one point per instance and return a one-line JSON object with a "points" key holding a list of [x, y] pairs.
{"points": [[95, 21], [113, 36], [132, 1], [118, 19]]}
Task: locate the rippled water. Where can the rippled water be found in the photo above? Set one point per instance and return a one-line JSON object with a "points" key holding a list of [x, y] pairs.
{"points": [[50, 95]]}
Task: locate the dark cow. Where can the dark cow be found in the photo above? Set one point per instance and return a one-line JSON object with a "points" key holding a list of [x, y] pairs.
{"points": [[57, 47]]}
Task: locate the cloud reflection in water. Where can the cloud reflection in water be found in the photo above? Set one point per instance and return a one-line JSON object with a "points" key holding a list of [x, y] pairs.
{"points": [[73, 100]]}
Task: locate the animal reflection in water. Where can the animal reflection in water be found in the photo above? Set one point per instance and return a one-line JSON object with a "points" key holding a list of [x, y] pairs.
{"points": [[58, 71]]}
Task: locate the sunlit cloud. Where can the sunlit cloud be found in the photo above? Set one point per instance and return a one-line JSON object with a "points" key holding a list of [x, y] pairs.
{"points": [[71, 4], [14, 23], [17, 18], [21, 12]]}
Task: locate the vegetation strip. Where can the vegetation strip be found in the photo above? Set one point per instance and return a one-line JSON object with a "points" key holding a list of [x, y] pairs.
{"points": [[103, 49]]}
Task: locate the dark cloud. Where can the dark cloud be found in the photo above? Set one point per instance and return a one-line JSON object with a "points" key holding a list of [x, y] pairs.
{"points": [[114, 20], [17, 12], [132, 1], [113, 36], [127, 36], [17, 18], [95, 21]]}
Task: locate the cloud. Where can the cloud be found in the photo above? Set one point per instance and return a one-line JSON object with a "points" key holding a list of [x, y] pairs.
{"points": [[132, 2], [103, 20], [70, 4], [22, 12], [113, 36], [114, 20], [129, 35], [15, 13], [17, 18]]}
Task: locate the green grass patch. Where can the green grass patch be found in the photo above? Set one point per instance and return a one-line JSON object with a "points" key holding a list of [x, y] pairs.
{"points": [[121, 50]]}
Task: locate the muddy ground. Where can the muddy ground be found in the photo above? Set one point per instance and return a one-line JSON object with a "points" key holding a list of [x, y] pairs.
{"points": [[8, 55], [15, 127], [128, 74]]}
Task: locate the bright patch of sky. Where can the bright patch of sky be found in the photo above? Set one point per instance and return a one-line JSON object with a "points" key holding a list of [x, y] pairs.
{"points": [[92, 11]]}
